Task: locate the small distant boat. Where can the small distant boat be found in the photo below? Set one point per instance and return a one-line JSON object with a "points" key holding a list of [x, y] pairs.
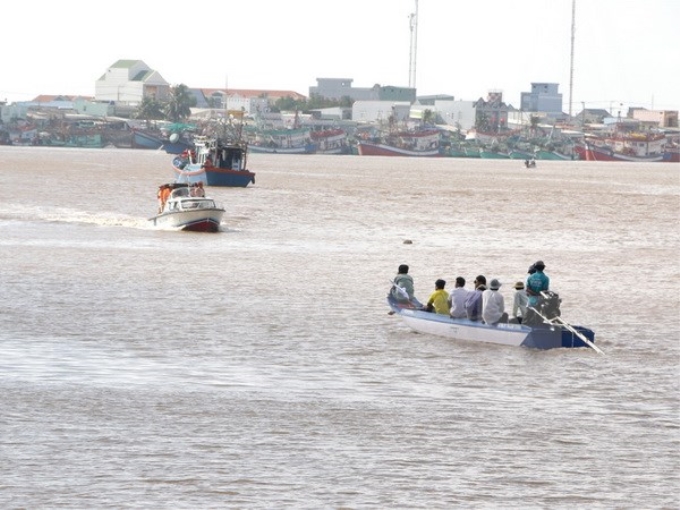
{"points": [[182, 207], [548, 333], [424, 143], [215, 163]]}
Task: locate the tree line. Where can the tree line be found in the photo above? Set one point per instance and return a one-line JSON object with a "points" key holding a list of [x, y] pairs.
{"points": [[178, 107]]}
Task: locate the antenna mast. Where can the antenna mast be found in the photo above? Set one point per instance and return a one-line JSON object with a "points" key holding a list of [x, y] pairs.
{"points": [[413, 18], [571, 72]]}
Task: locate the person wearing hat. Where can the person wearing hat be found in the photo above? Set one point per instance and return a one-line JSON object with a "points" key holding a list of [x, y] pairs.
{"points": [[439, 299], [473, 303], [519, 303], [493, 304], [536, 283], [404, 281]]}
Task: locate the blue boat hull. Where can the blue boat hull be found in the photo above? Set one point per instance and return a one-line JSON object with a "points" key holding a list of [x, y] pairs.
{"points": [[229, 178]]}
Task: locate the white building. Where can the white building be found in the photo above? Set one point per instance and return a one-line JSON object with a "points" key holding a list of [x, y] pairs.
{"points": [[458, 114], [129, 81], [380, 111]]}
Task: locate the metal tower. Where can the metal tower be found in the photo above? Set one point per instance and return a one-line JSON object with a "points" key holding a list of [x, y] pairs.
{"points": [[571, 72], [413, 22]]}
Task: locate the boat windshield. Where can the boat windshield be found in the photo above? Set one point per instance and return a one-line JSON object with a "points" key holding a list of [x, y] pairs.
{"points": [[198, 203]]}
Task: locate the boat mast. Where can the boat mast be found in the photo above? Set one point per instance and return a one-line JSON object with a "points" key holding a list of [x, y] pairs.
{"points": [[571, 72], [413, 23]]}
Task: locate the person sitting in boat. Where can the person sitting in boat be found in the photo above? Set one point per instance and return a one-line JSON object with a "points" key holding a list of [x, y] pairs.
{"points": [[519, 303], [404, 281], [439, 299], [537, 282], [473, 303], [457, 299], [197, 190], [493, 304]]}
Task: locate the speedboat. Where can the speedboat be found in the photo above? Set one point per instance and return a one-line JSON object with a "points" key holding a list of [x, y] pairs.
{"points": [[545, 329], [185, 207]]}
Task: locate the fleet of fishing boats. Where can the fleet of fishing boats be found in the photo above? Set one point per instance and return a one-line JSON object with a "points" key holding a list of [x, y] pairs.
{"points": [[430, 141]]}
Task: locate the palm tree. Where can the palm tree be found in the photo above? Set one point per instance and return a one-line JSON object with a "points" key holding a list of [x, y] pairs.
{"points": [[150, 109], [179, 107]]}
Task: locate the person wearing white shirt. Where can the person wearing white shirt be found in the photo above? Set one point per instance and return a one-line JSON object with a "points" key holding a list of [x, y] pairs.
{"points": [[457, 299], [519, 303], [493, 304]]}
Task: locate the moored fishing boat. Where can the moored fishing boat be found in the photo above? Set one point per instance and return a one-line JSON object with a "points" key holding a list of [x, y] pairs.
{"points": [[281, 141], [628, 147], [331, 141], [671, 155], [552, 155], [174, 144], [184, 207], [422, 143], [548, 331]]}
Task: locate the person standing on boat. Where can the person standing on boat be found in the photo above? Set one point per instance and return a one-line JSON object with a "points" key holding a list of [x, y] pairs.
{"points": [[439, 299], [197, 190], [163, 195], [536, 283], [405, 281], [473, 303], [457, 299], [493, 304], [519, 303]]}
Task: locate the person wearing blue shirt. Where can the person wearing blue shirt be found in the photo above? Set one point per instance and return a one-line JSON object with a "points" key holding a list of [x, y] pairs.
{"points": [[536, 283]]}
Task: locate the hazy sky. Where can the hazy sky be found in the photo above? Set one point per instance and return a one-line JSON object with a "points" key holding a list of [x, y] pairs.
{"points": [[627, 52]]}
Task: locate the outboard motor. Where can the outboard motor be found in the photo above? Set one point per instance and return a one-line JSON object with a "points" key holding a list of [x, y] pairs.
{"points": [[548, 306]]}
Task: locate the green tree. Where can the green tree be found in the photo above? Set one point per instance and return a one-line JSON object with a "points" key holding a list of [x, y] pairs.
{"points": [[179, 107], [150, 109], [288, 104]]}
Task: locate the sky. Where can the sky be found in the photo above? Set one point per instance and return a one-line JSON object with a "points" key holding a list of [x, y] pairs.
{"points": [[625, 53]]}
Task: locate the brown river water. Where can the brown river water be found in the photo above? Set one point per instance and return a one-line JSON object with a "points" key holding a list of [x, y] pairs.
{"points": [[258, 368]]}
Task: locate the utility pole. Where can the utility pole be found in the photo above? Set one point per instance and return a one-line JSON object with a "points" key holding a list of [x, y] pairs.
{"points": [[413, 22]]}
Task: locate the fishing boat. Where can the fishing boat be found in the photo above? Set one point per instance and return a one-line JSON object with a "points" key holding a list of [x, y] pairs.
{"points": [[173, 144], [184, 207], [331, 141], [281, 141], [547, 331], [628, 147], [422, 143], [671, 154], [215, 163], [552, 155]]}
